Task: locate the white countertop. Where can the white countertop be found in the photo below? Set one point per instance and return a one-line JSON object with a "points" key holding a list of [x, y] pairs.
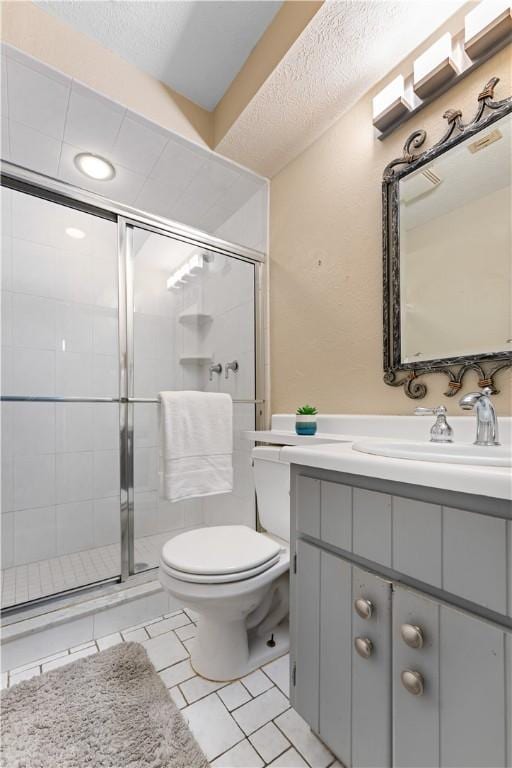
{"points": [[285, 437], [495, 482], [331, 448]]}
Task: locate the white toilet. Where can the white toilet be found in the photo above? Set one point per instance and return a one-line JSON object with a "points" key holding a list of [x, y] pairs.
{"points": [[236, 580]]}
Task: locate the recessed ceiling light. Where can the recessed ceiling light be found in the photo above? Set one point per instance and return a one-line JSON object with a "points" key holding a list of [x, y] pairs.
{"points": [[76, 234], [94, 166]]}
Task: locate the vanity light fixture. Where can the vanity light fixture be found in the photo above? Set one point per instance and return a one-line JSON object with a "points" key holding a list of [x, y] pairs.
{"points": [[390, 104], [188, 270], [94, 166], [486, 26], [75, 233], [434, 68]]}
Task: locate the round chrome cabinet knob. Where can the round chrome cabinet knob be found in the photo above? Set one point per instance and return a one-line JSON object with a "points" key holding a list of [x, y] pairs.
{"points": [[364, 608], [364, 647], [412, 635], [412, 682]]}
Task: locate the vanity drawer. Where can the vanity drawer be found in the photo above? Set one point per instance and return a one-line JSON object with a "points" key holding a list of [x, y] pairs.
{"points": [[372, 525], [465, 553], [475, 557], [417, 539], [336, 515], [461, 552], [324, 511]]}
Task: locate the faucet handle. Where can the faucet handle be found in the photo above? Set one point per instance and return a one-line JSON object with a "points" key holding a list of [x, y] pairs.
{"points": [[232, 366], [438, 409], [441, 432], [214, 368]]}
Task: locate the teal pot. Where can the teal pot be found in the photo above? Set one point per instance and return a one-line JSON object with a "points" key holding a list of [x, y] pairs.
{"points": [[305, 425]]}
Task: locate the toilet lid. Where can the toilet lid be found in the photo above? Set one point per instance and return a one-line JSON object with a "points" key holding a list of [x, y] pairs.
{"points": [[223, 549]]}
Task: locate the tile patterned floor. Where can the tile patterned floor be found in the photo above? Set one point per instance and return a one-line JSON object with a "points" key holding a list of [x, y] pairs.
{"points": [[48, 577], [244, 724]]}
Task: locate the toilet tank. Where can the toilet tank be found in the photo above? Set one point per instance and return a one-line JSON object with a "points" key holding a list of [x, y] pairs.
{"points": [[272, 483]]}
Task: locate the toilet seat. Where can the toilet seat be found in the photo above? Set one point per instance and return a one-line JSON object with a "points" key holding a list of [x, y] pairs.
{"points": [[221, 578], [219, 554]]}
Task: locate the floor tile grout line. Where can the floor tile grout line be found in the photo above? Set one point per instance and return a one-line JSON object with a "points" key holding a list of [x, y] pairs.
{"points": [[228, 749], [259, 754], [189, 703], [295, 745], [258, 696], [288, 744]]}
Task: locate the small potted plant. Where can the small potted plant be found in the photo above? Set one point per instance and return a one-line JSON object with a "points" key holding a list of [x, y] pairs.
{"points": [[305, 420]]}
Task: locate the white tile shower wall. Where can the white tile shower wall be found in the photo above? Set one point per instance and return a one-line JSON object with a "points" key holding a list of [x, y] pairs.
{"points": [[225, 291], [48, 118], [228, 296], [60, 462], [61, 489]]}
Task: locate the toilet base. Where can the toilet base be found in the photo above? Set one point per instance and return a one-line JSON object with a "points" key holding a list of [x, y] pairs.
{"points": [[258, 653]]}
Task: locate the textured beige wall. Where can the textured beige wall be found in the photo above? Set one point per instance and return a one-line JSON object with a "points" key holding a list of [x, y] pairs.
{"points": [[326, 262], [288, 23], [59, 45]]}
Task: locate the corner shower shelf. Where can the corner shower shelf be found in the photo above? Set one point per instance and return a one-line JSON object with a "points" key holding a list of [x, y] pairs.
{"points": [[195, 318], [196, 359]]}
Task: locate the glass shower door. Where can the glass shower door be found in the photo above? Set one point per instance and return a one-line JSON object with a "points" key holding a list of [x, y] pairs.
{"points": [[60, 514], [193, 309]]}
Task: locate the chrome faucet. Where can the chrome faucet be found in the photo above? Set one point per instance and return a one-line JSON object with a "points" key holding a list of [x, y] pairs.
{"points": [[441, 432], [486, 421], [215, 368]]}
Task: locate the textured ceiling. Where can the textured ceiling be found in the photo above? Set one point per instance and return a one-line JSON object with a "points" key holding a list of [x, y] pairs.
{"points": [[197, 48], [347, 47]]}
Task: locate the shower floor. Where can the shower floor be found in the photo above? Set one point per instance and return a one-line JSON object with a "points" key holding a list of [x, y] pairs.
{"points": [[31, 581]]}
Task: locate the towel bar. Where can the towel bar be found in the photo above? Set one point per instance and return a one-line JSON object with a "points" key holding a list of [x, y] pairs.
{"points": [[124, 400]]}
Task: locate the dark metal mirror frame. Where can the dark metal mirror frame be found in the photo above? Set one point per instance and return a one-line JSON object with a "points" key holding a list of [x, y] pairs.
{"points": [[486, 366]]}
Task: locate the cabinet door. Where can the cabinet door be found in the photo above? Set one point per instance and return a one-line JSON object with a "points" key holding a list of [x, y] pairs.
{"points": [[371, 677], [460, 718], [415, 718], [336, 655], [305, 634]]}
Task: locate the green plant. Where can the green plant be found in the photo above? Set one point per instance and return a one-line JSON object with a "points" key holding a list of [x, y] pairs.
{"points": [[307, 410]]}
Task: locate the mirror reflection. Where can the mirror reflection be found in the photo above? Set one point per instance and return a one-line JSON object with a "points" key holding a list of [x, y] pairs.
{"points": [[456, 250]]}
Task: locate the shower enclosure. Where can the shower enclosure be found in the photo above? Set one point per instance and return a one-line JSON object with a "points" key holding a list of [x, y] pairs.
{"points": [[102, 308]]}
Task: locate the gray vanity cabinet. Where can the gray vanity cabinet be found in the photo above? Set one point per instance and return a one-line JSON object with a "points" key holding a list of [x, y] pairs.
{"points": [[401, 642], [459, 719]]}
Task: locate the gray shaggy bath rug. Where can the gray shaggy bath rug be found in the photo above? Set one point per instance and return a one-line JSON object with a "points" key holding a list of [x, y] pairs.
{"points": [[110, 710]]}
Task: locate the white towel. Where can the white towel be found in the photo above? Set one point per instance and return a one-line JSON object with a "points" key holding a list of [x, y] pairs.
{"points": [[196, 444]]}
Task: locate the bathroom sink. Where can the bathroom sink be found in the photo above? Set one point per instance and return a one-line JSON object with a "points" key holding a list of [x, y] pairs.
{"points": [[451, 453]]}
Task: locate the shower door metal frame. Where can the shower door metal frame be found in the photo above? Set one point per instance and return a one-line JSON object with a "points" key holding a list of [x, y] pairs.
{"points": [[127, 218]]}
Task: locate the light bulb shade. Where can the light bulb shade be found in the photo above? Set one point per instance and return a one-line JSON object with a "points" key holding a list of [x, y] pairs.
{"points": [[434, 68], [186, 272], [486, 26], [94, 166], [390, 104]]}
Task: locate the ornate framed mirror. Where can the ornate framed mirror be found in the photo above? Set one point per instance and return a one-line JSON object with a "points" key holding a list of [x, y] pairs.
{"points": [[447, 252]]}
